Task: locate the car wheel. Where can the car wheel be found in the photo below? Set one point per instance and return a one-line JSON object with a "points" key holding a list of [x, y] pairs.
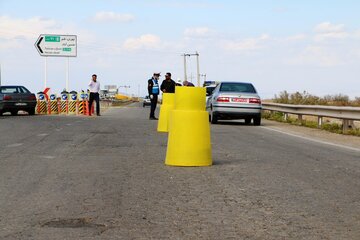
{"points": [[247, 121], [31, 111], [14, 112], [214, 118], [257, 121]]}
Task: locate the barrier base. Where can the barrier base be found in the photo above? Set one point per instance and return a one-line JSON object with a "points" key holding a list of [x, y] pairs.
{"points": [[189, 139]]}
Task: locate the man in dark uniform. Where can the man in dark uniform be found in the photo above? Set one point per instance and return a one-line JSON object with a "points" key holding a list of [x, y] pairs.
{"points": [[168, 85], [153, 89]]}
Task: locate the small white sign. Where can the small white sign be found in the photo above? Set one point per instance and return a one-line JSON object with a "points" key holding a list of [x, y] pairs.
{"points": [[51, 45]]}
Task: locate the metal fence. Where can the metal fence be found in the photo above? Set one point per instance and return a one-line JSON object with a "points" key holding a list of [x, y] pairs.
{"points": [[346, 114]]}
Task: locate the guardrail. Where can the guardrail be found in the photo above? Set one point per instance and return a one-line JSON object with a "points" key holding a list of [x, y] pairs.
{"points": [[346, 114]]}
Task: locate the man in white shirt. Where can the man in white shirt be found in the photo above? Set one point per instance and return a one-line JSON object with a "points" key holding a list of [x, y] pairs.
{"points": [[94, 87]]}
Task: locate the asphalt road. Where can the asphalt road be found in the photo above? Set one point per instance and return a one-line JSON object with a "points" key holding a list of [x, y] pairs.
{"points": [[70, 177]]}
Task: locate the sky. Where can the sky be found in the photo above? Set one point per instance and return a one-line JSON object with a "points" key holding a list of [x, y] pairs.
{"points": [[277, 45]]}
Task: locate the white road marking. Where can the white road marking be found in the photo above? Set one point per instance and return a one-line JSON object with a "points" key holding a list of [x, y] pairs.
{"points": [[14, 145], [313, 140], [48, 157], [42, 134]]}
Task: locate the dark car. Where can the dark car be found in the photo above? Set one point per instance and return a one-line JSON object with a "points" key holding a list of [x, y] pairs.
{"points": [[16, 98]]}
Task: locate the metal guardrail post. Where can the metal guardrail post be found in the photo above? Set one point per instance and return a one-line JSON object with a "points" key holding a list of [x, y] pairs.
{"points": [[348, 125], [320, 121], [300, 119]]}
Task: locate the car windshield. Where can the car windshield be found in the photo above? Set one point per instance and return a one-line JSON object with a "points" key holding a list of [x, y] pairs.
{"points": [[13, 89], [9, 90], [237, 87]]}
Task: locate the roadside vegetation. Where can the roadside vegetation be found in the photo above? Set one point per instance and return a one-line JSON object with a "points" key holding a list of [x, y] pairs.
{"points": [[306, 98]]}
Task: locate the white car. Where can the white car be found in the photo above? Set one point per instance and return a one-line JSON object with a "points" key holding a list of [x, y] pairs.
{"points": [[234, 100], [146, 101]]}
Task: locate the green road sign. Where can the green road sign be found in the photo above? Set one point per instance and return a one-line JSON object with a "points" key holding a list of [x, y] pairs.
{"points": [[52, 38]]}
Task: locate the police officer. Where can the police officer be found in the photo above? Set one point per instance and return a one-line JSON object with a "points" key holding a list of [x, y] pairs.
{"points": [[153, 89]]}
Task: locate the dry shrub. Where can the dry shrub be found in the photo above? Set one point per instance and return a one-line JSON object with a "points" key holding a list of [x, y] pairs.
{"points": [[306, 98]]}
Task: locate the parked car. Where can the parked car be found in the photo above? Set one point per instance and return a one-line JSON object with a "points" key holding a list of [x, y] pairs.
{"points": [[234, 100], [15, 98], [146, 101], [209, 90]]}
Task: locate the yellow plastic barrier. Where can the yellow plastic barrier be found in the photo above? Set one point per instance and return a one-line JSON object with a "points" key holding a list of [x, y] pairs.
{"points": [[121, 97], [189, 129], [168, 104]]}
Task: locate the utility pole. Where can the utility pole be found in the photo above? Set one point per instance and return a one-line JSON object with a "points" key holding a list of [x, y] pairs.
{"points": [[185, 74], [203, 75], [197, 67]]}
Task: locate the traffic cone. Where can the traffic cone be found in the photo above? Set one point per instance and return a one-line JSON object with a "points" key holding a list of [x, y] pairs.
{"points": [[168, 103], [189, 129]]}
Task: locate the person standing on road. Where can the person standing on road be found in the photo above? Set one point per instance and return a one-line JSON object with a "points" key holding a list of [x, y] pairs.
{"points": [[94, 87], [188, 84], [153, 89], [168, 85]]}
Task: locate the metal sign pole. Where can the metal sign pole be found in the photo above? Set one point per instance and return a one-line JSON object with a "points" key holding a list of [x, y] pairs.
{"points": [[67, 74], [45, 73]]}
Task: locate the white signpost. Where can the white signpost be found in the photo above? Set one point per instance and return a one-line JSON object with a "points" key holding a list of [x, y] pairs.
{"points": [[52, 45]]}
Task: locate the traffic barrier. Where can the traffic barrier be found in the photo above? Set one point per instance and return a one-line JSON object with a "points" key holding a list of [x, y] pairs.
{"points": [[68, 103], [41, 106], [64, 102], [53, 105], [168, 103], [189, 129], [81, 107], [72, 102], [72, 107], [87, 112]]}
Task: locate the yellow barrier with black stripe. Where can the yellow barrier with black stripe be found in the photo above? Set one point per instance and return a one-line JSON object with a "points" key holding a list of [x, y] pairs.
{"points": [[54, 107], [81, 107], [41, 107], [64, 107], [72, 107]]}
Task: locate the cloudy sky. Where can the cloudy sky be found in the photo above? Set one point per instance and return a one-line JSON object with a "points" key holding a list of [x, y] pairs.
{"points": [[275, 44]]}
